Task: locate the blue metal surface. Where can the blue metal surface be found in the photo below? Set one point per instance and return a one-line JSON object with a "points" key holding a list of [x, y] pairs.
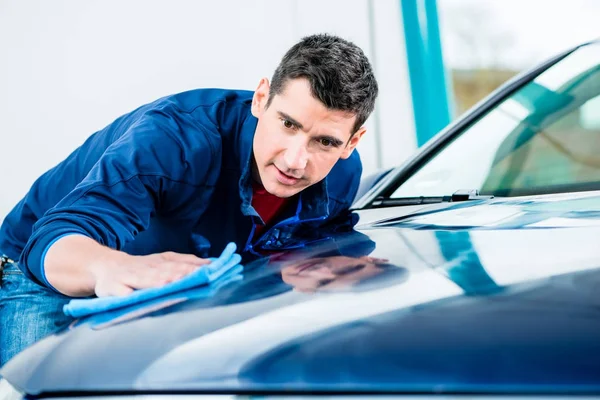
{"points": [[428, 82], [487, 310]]}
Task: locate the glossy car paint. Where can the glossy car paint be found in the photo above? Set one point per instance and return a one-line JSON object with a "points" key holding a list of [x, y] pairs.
{"points": [[502, 307]]}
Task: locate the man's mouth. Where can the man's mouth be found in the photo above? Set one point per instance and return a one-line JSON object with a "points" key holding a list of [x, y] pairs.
{"points": [[286, 179]]}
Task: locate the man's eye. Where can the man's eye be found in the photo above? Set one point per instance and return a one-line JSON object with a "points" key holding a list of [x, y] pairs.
{"points": [[326, 142], [288, 124]]}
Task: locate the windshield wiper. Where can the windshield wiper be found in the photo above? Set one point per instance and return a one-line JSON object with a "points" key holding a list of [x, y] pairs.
{"points": [[459, 195]]}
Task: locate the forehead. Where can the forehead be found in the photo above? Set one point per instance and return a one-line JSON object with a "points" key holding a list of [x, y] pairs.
{"points": [[297, 101]]}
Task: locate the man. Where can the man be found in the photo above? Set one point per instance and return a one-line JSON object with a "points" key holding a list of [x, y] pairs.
{"points": [[336, 272], [146, 200]]}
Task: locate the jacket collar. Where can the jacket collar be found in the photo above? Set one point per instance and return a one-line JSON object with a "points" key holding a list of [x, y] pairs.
{"points": [[314, 200]]}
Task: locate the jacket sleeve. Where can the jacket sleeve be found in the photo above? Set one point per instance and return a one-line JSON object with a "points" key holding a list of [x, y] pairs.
{"points": [[125, 188]]}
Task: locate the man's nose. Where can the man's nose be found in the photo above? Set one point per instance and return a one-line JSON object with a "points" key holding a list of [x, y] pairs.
{"points": [[296, 155]]}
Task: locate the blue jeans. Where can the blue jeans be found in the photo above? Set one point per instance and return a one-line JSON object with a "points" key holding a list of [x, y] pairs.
{"points": [[28, 312]]}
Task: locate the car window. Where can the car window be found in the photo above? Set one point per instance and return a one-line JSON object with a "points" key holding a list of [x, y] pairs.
{"points": [[545, 138]]}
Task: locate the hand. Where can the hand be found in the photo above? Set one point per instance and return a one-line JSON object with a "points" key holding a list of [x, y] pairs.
{"points": [[121, 274]]}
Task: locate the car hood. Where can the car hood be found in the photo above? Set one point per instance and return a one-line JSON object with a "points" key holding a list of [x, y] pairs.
{"points": [[497, 295]]}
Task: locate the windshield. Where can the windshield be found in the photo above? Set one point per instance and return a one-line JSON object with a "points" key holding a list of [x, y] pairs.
{"points": [[545, 138]]}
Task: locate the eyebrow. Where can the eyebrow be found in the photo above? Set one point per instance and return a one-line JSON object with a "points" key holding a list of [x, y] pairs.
{"points": [[292, 120], [333, 139]]}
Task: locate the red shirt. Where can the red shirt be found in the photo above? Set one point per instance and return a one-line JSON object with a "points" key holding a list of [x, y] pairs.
{"points": [[268, 206]]}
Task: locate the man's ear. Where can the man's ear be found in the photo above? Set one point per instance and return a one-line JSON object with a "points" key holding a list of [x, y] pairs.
{"points": [[353, 142], [260, 98]]}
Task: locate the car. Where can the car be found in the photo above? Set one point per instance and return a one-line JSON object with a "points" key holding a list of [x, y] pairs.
{"points": [[473, 269]]}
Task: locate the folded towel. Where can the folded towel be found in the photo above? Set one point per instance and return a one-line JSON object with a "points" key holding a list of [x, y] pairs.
{"points": [[203, 276], [152, 306]]}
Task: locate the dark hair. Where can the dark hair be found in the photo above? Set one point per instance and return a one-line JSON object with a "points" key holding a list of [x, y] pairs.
{"points": [[339, 73]]}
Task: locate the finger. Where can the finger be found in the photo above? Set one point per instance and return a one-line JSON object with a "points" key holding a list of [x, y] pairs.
{"points": [[172, 272], [143, 278], [177, 276], [170, 268], [163, 273], [184, 258]]}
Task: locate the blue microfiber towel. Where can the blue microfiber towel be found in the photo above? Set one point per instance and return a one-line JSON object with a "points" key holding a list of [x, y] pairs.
{"points": [[203, 276], [124, 314]]}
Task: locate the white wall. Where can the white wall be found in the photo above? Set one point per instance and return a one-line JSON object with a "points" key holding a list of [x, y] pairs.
{"points": [[69, 67]]}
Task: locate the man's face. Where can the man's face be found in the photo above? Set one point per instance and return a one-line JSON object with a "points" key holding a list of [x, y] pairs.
{"points": [[297, 140], [330, 272]]}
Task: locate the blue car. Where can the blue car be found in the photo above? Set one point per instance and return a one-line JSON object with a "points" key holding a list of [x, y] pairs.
{"points": [[471, 270]]}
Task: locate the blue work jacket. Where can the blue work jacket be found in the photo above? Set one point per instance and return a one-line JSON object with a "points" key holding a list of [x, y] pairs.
{"points": [[172, 175]]}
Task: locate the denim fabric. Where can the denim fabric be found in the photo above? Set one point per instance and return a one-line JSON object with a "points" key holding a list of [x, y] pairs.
{"points": [[28, 312]]}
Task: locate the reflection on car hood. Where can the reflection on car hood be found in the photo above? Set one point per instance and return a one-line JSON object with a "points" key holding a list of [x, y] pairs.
{"points": [[488, 296]]}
